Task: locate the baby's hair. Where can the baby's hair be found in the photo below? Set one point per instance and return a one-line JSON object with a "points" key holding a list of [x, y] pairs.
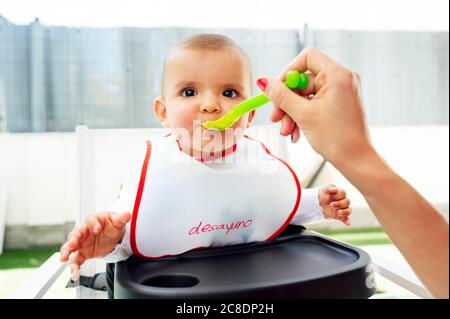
{"points": [[207, 42]]}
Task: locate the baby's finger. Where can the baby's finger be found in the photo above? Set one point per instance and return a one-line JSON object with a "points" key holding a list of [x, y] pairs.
{"points": [[120, 220], [64, 253], [73, 240], [73, 232], [93, 222], [76, 239], [76, 242], [331, 189], [69, 247], [339, 194], [341, 204], [346, 221], [343, 215], [84, 233], [77, 261], [74, 272], [344, 212]]}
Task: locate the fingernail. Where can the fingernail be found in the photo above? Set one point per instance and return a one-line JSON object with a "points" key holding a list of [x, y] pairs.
{"points": [[262, 83]]}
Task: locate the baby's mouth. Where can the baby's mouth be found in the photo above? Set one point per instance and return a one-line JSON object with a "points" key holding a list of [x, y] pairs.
{"points": [[199, 123]]}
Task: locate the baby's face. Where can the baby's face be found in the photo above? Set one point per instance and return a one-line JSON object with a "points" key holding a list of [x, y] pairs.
{"points": [[202, 86]]}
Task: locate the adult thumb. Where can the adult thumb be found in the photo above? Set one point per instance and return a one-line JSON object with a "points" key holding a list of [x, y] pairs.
{"points": [[281, 96]]}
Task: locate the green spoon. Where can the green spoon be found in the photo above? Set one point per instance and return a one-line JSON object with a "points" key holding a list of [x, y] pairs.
{"points": [[294, 80]]}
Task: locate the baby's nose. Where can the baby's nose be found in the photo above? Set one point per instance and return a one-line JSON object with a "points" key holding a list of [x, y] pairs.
{"points": [[210, 108]]}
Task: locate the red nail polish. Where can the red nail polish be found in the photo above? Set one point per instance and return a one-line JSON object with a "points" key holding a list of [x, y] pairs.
{"points": [[262, 83]]}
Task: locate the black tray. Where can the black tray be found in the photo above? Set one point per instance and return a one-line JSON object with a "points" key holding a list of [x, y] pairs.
{"points": [[297, 264]]}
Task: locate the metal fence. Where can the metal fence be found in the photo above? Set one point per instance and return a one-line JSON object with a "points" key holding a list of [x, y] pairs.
{"points": [[53, 78]]}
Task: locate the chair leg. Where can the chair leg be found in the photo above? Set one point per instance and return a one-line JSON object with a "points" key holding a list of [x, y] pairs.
{"points": [[110, 268]]}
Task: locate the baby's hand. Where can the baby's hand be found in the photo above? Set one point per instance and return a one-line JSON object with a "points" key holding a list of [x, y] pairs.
{"points": [[335, 204], [95, 238]]}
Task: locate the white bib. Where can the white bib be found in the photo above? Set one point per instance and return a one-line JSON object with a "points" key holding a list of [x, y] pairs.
{"points": [[183, 203]]}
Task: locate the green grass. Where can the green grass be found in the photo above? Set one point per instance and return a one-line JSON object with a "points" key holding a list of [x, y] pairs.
{"points": [[380, 291], [25, 258], [360, 237], [16, 266], [353, 231]]}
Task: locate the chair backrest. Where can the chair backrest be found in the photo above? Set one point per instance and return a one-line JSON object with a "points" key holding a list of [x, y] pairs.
{"points": [[105, 158]]}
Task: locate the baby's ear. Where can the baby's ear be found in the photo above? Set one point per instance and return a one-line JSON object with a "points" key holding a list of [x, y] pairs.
{"points": [[160, 110], [251, 115]]}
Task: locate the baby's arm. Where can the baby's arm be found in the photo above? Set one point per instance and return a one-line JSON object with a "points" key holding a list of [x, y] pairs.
{"points": [[309, 210], [125, 202], [317, 204], [122, 250]]}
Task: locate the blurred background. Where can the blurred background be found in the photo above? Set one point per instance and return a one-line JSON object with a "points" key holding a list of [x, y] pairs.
{"points": [[98, 63]]}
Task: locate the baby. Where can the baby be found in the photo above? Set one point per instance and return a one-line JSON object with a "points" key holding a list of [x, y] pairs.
{"points": [[198, 188]]}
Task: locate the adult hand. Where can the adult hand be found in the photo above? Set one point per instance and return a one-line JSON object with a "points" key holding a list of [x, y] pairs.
{"points": [[329, 112]]}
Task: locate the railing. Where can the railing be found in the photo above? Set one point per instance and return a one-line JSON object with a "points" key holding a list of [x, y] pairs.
{"points": [[41, 280]]}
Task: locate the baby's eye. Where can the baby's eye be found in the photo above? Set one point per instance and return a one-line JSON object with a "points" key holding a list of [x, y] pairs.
{"points": [[189, 92], [230, 93]]}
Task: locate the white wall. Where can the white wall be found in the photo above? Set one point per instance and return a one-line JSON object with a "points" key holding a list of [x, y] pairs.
{"points": [[39, 172]]}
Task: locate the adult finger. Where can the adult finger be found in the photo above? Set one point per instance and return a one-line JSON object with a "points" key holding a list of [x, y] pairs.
{"points": [[295, 137], [287, 125], [310, 59]]}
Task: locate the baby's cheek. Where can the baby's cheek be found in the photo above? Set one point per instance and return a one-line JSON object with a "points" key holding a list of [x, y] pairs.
{"points": [[241, 123], [180, 121], [182, 117]]}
